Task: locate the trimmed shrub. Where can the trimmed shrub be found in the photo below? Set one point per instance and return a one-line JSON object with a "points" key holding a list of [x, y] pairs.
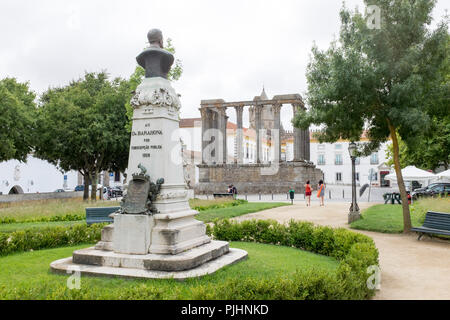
{"points": [[356, 252], [66, 217], [51, 237]]}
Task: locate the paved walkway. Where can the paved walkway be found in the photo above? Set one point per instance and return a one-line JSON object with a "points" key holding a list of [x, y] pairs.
{"points": [[410, 269]]}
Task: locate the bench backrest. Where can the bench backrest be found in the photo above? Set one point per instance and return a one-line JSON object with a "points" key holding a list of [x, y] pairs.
{"points": [[100, 214], [437, 220]]}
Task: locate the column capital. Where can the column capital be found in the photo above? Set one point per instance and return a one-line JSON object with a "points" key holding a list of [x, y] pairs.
{"points": [[296, 107], [222, 110], [239, 108], [277, 107], [203, 112]]}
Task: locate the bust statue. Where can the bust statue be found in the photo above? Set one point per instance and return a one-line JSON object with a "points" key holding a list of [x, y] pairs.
{"points": [[155, 60]]}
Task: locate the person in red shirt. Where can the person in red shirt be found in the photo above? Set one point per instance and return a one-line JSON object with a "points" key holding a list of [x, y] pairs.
{"points": [[308, 191]]}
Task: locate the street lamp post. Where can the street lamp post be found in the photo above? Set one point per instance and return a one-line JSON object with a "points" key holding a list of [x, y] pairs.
{"points": [[354, 214]]}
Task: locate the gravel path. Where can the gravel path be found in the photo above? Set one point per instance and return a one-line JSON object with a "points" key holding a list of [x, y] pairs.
{"points": [[410, 269]]}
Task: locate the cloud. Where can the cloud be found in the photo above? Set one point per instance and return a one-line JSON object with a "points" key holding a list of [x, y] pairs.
{"points": [[229, 49]]}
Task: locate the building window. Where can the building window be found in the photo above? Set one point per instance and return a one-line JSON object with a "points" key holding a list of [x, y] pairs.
{"points": [[374, 158], [321, 159], [357, 176], [246, 150], [338, 146], [375, 176], [338, 176], [357, 161], [338, 159]]}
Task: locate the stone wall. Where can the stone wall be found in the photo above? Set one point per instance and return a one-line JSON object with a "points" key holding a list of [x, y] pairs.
{"points": [[40, 196], [257, 178]]}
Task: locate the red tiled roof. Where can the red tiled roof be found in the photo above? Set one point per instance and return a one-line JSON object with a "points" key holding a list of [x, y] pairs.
{"points": [[190, 122]]}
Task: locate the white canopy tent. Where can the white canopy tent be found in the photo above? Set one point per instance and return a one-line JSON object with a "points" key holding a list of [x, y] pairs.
{"points": [[445, 174], [412, 173]]}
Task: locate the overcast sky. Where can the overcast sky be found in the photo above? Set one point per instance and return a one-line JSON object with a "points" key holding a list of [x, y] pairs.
{"points": [[229, 49]]}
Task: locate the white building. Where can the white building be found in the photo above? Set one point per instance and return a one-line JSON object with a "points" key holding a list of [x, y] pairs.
{"points": [[34, 176]]}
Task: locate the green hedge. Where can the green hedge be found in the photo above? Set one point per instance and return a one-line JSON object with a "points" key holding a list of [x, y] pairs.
{"points": [[66, 217], [51, 237], [356, 252]]}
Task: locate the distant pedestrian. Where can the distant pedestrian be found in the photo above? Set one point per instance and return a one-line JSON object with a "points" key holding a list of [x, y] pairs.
{"points": [[321, 192], [308, 192], [234, 192], [291, 195], [230, 189]]}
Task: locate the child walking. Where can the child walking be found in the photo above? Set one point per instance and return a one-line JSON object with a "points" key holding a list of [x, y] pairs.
{"points": [[321, 192]]}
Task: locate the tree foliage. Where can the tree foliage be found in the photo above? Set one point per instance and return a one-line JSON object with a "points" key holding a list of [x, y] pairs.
{"points": [[17, 114], [385, 80], [83, 126], [432, 150]]}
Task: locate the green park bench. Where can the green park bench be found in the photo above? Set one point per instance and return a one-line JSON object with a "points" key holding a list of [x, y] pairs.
{"points": [[392, 197], [435, 223], [100, 214]]}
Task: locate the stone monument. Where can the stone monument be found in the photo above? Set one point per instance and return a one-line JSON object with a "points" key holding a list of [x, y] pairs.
{"points": [[155, 233]]}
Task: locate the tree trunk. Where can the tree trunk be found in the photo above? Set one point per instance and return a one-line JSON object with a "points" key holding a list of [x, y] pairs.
{"points": [[94, 186], [86, 187], [401, 184]]}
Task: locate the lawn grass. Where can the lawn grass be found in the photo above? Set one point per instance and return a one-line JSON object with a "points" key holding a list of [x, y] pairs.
{"points": [[46, 208], [27, 275], [388, 218], [231, 212]]}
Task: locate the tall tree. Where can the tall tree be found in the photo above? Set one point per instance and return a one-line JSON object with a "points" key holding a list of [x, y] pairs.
{"points": [[83, 127], [17, 115], [380, 78]]}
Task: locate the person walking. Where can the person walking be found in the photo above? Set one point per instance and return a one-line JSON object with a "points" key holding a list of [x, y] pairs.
{"points": [[234, 191], [308, 192], [321, 192], [291, 194]]}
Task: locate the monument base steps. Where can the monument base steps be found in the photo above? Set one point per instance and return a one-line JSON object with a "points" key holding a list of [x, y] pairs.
{"points": [[196, 262]]}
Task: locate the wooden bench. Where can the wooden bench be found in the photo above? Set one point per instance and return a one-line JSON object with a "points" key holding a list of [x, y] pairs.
{"points": [[435, 223], [223, 195], [100, 214]]}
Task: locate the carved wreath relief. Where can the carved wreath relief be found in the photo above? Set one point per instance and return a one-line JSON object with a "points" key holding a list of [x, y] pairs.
{"points": [[158, 97]]}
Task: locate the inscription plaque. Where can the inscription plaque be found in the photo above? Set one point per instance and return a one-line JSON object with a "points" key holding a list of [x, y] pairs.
{"points": [[135, 201]]}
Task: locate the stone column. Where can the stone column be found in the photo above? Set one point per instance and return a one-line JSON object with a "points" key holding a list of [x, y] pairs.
{"points": [[239, 134], [277, 127], [223, 119], [205, 126], [308, 145], [258, 125], [298, 138]]}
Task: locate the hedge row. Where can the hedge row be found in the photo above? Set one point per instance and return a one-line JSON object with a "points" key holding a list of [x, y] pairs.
{"points": [[66, 217], [50, 237], [355, 252], [234, 203]]}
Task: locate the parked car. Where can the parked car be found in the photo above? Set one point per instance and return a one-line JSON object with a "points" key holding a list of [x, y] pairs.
{"points": [[59, 190], [116, 192], [79, 188], [412, 185], [434, 189]]}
